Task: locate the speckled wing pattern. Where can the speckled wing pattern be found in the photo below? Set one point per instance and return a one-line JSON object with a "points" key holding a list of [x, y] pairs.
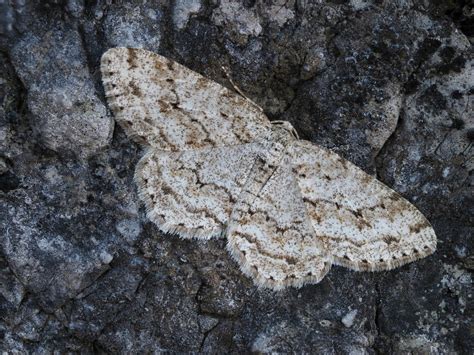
{"points": [[195, 130], [215, 165], [364, 224], [269, 232], [192, 192], [163, 104]]}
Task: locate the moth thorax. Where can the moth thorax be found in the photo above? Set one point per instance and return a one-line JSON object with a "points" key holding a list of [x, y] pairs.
{"points": [[283, 132]]}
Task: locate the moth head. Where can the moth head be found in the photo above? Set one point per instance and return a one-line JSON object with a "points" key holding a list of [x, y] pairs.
{"points": [[287, 127]]}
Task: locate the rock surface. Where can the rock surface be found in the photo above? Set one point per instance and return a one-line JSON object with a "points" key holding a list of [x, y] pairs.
{"points": [[66, 112], [387, 84]]}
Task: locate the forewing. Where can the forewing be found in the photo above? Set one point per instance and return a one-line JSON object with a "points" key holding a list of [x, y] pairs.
{"points": [[269, 233], [163, 104], [192, 193], [365, 224]]}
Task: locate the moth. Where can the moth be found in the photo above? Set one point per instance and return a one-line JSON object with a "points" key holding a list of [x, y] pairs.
{"points": [[216, 166]]}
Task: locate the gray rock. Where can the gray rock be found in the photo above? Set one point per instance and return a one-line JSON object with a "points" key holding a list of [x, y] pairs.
{"points": [[75, 7], [30, 330], [130, 229], [67, 113], [386, 84], [348, 319], [133, 26], [35, 250], [182, 10], [9, 12], [11, 290], [240, 22]]}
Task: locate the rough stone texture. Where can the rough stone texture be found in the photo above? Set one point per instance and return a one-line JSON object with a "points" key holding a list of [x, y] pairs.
{"points": [[132, 26], [66, 112], [182, 10], [388, 84]]}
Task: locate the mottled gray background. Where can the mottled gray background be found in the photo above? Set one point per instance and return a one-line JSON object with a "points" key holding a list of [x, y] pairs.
{"points": [[386, 83]]}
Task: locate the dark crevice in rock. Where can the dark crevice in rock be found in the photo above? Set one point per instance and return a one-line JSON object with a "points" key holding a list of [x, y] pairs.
{"points": [[378, 314], [378, 160], [206, 335], [91, 61], [19, 117], [167, 41], [9, 182], [462, 14]]}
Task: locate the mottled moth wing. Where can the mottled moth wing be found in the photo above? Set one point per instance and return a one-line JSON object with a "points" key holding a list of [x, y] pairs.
{"points": [[215, 163], [192, 193], [161, 103], [269, 232], [364, 224]]}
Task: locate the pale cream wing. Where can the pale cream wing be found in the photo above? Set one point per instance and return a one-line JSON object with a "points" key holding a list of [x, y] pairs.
{"points": [[191, 193], [163, 104], [365, 224], [269, 233]]}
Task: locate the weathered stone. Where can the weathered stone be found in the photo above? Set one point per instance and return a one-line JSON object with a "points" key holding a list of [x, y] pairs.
{"points": [[182, 10], [67, 113], [348, 319], [239, 21], [133, 26]]}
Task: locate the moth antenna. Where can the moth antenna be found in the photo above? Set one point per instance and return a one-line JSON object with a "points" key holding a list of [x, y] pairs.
{"points": [[236, 88]]}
